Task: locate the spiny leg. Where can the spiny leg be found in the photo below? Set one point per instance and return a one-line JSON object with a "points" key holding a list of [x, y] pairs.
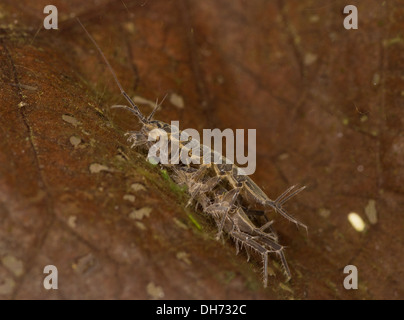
{"points": [[284, 213], [278, 205], [267, 225], [229, 198], [278, 249], [156, 107], [285, 265], [248, 241], [198, 188], [286, 195]]}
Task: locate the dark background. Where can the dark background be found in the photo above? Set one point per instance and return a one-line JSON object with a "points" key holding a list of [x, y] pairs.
{"points": [[327, 104]]}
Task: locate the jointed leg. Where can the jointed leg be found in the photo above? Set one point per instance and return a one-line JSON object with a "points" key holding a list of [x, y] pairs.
{"points": [[278, 204]]}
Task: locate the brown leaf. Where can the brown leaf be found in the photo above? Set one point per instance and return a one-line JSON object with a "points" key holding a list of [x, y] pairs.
{"points": [[329, 99]]}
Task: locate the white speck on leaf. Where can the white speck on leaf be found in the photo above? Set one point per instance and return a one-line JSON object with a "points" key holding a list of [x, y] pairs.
{"points": [[177, 100], [75, 141], [140, 100], [13, 264], [140, 213], [155, 292], [371, 212], [69, 119], [183, 256], [22, 104], [129, 197], [356, 221], [137, 187], [96, 168], [72, 222], [140, 225]]}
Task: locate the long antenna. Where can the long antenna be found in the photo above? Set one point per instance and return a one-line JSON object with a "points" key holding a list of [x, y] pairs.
{"points": [[156, 107], [134, 106]]}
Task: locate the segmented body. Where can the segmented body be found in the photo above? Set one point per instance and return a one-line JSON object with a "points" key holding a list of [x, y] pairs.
{"points": [[218, 188], [233, 200]]}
